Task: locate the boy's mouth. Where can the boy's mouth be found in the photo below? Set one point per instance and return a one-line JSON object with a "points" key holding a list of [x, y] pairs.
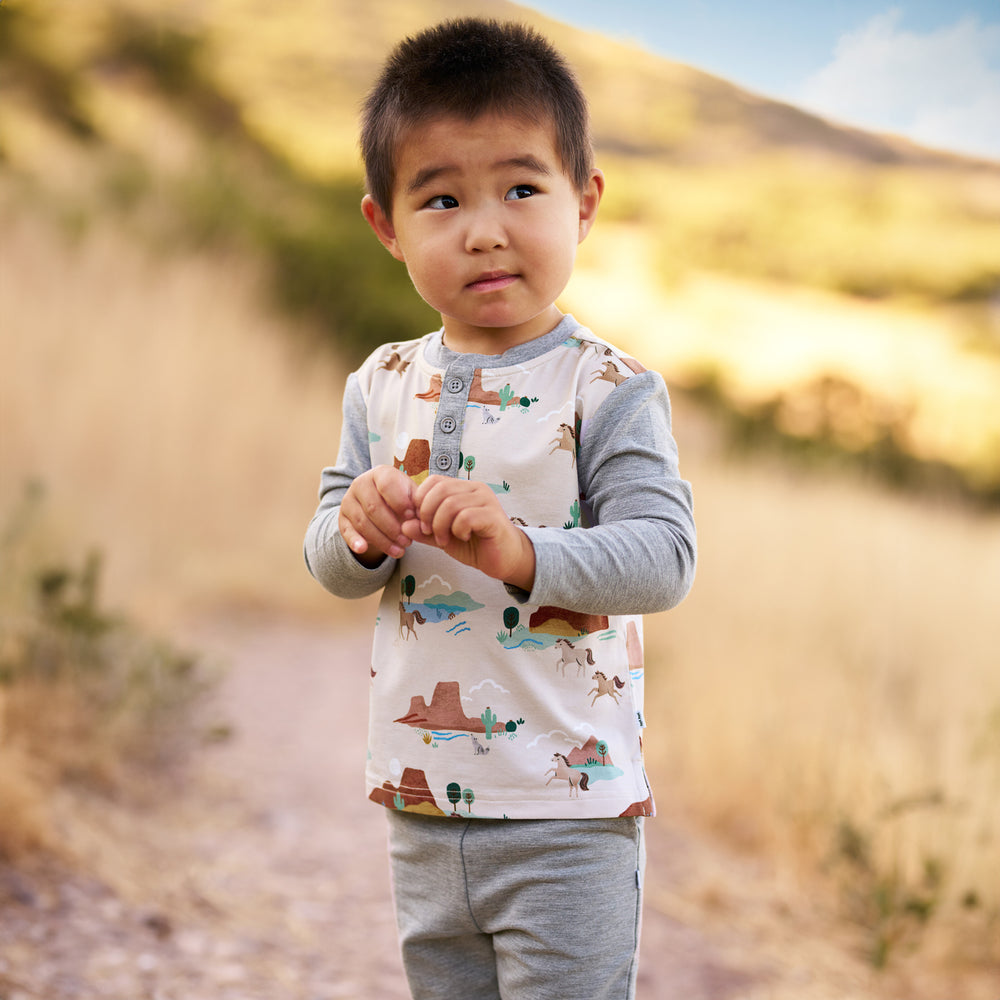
{"points": [[492, 281]]}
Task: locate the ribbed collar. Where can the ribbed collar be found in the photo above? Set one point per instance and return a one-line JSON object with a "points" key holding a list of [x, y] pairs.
{"points": [[437, 354]]}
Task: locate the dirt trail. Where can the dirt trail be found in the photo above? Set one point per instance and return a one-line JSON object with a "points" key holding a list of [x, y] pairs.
{"points": [[266, 875]]}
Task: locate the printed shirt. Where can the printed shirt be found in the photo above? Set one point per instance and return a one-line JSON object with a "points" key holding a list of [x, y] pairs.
{"points": [[486, 701]]}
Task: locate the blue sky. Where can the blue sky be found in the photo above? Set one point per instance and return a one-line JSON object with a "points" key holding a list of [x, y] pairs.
{"points": [[926, 69]]}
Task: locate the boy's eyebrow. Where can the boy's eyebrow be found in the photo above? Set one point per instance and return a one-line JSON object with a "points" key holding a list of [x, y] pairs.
{"points": [[428, 175], [527, 162]]}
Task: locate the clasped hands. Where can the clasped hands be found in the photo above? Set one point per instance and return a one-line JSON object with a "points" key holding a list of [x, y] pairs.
{"points": [[383, 513]]}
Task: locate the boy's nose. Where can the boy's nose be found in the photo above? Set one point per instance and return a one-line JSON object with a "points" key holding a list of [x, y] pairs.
{"points": [[485, 233]]}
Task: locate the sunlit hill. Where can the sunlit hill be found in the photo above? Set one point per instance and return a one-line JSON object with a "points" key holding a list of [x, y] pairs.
{"points": [[834, 287]]}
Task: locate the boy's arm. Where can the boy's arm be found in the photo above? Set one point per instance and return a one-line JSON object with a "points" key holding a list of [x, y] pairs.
{"points": [[327, 555], [639, 557]]}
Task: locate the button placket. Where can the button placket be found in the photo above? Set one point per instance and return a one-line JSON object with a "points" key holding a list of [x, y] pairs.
{"points": [[447, 441]]}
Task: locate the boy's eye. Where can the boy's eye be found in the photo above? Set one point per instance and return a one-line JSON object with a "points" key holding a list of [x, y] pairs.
{"points": [[443, 201], [519, 191]]}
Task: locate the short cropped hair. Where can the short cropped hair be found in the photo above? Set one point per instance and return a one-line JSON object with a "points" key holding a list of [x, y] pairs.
{"points": [[465, 68]]}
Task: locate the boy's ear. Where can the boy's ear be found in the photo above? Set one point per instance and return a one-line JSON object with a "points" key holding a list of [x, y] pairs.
{"points": [[590, 199], [381, 225]]}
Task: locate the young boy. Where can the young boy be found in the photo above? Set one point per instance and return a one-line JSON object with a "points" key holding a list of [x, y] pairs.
{"points": [[511, 482]]}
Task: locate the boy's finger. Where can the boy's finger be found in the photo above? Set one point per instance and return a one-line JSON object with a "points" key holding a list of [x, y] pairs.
{"points": [[436, 509], [362, 533], [456, 517], [369, 505], [396, 489]]}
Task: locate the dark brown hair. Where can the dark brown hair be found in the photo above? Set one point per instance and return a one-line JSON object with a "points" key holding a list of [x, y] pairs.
{"points": [[465, 68]]}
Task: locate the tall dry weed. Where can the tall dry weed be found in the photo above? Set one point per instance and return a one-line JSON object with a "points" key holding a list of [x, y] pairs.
{"points": [[829, 692], [24, 826], [172, 426], [171, 420]]}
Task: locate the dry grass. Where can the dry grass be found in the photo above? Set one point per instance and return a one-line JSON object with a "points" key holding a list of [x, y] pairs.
{"points": [[174, 429], [24, 826], [169, 419], [830, 691], [828, 696]]}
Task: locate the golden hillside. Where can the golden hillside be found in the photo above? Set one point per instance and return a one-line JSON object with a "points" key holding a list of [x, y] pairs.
{"points": [[296, 73], [829, 288]]}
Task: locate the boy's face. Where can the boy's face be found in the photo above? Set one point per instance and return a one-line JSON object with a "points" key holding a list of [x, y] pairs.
{"points": [[487, 222]]}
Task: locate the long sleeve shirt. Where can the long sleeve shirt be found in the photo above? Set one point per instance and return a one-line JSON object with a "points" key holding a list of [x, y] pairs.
{"points": [[486, 700]]}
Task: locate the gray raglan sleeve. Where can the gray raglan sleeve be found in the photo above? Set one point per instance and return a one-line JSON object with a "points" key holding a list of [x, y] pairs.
{"points": [[327, 556], [639, 556]]}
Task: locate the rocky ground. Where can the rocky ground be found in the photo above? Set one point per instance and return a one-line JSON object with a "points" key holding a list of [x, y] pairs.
{"points": [[258, 877]]}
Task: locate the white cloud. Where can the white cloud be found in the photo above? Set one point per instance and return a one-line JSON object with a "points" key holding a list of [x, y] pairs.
{"points": [[490, 681], [940, 88]]}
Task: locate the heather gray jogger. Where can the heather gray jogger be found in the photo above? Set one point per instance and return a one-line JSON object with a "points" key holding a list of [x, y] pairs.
{"points": [[518, 909]]}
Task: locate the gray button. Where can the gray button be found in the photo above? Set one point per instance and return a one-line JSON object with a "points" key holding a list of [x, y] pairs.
{"points": [[443, 462], [455, 385], [448, 424]]}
